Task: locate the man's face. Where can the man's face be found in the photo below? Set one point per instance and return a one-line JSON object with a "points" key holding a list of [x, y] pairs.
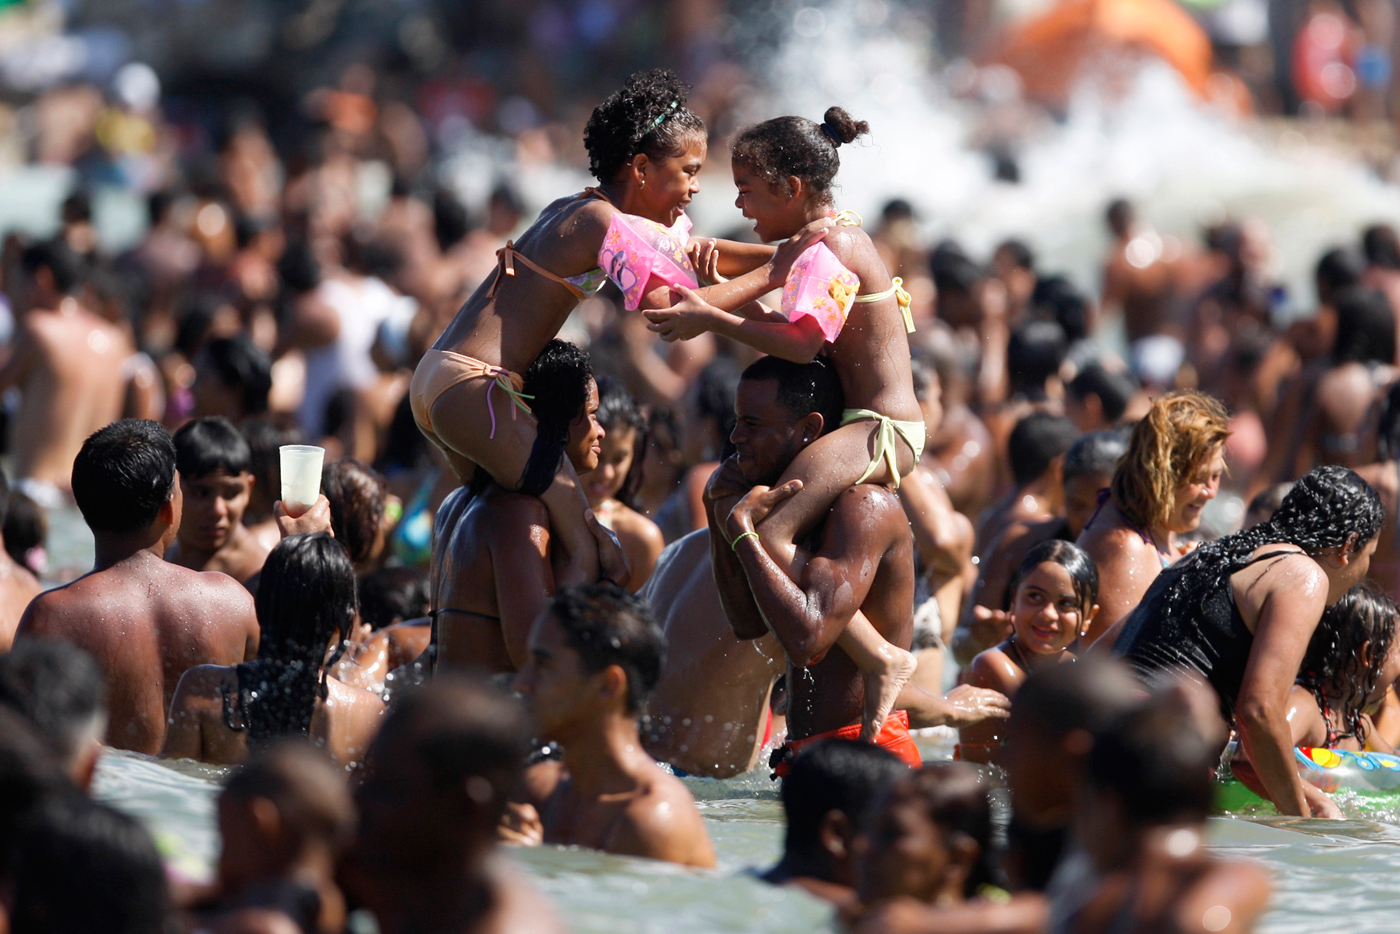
{"points": [[555, 683], [766, 436], [213, 508]]}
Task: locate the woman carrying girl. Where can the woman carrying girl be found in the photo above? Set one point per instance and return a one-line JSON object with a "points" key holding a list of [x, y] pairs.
{"points": [[1241, 611], [1175, 459], [306, 605], [845, 305], [645, 148], [1052, 608]]}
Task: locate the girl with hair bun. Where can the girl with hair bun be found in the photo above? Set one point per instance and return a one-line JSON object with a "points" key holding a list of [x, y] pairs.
{"points": [[838, 299], [1241, 611], [646, 147], [1173, 467]]}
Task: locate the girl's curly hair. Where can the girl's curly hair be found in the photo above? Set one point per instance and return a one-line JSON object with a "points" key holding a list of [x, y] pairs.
{"points": [[1363, 617], [649, 115], [1180, 433]]}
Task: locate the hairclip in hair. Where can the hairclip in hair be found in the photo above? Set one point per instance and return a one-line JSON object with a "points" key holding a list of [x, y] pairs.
{"points": [[831, 133], [662, 118]]}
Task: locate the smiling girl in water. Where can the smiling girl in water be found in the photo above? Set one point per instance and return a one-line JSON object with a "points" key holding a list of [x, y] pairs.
{"points": [[1055, 588], [846, 305]]}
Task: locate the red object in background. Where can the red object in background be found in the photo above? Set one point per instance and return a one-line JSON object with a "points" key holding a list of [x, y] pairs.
{"points": [[1324, 55]]}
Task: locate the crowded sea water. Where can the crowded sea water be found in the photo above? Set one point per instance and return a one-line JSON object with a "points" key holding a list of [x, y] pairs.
{"points": [[906, 496]]}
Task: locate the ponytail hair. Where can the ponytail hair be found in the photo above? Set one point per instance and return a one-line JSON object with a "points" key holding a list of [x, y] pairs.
{"points": [[306, 599], [795, 147], [1180, 433]]}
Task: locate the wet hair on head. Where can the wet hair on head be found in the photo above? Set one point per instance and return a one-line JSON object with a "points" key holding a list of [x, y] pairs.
{"points": [[1156, 762], [1114, 390], [123, 474], [1330, 508], [803, 388], [306, 600], [59, 689], [1083, 573], [242, 365], [307, 788], [833, 775], [392, 595], [607, 625], [1034, 353], [1365, 327], [957, 801], [207, 445], [357, 495], [1097, 452], [461, 729], [1035, 442], [557, 387], [81, 867], [1363, 617], [795, 147], [648, 115], [1180, 433]]}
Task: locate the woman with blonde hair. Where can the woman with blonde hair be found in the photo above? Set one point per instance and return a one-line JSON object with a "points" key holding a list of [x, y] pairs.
{"points": [[1172, 468]]}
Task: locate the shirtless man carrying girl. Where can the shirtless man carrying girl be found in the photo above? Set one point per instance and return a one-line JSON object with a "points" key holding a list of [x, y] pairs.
{"points": [[845, 305]]}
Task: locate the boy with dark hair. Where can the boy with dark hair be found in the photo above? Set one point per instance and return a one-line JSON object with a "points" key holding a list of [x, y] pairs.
{"points": [[59, 689], [285, 819], [1098, 397], [215, 463], [1035, 449], [434, 790], [825, 796], [233, 377], [1141, 820], [595, 657], [145, 621]]}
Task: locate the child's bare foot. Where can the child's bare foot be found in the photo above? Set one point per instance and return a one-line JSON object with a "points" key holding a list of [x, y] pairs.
{"points": [[882, 689]]}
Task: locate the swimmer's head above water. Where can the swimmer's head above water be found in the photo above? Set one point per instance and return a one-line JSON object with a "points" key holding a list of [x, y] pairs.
{"points": [[1174, 462]]}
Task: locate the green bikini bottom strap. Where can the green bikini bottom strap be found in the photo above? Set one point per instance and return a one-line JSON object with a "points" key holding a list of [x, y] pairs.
{"points": [[886, 441]]}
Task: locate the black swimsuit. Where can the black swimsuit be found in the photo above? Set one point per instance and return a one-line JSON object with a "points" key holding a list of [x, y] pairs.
{"points": [[1213, 641]]}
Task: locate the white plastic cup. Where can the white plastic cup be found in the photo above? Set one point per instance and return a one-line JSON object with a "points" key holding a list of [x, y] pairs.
{"points": [[301, 474]]}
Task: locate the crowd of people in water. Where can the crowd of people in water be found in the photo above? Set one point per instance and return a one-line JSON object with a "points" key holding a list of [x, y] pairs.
{"points": [[779, 502]]}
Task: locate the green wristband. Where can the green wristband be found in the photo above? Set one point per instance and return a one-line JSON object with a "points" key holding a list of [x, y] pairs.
{"points": [[742, 535]]}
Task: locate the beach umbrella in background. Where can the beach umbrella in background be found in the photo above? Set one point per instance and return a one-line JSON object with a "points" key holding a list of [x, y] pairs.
{"points": [[1053, 50]]}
